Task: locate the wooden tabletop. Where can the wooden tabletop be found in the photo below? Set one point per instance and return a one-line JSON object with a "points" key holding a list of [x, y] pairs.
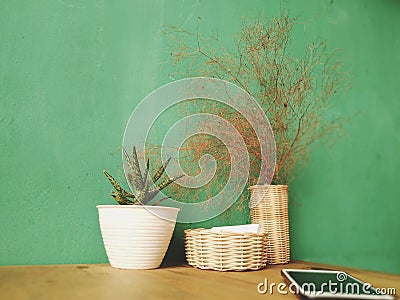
{"points": [[176, 282]]}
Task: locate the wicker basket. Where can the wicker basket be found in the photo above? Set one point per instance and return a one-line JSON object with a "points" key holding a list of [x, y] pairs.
{"points": [[269, 207], [225, 251]]}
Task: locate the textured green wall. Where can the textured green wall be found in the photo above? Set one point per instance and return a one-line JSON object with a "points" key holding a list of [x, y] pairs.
{"points": [[71, 72]]}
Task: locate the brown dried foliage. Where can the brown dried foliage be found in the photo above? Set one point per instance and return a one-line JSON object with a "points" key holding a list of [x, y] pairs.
{"points": [[294, 91]]}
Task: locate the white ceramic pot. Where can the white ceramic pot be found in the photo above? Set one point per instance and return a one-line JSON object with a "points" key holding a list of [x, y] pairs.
{"points": [[136, 236]]}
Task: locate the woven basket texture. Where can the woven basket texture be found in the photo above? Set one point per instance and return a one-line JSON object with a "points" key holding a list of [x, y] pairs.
{"points": [[225, 251], [269, 207]]}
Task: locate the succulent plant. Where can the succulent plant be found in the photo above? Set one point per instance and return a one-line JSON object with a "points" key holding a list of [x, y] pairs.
{"points": [[145, 188]]}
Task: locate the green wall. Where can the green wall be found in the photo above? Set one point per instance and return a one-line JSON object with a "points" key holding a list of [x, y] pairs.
{"points": [[72, 71]]}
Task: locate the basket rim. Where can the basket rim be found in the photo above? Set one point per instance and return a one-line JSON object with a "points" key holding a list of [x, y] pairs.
{"points": [[226, 233], [267, 186]]}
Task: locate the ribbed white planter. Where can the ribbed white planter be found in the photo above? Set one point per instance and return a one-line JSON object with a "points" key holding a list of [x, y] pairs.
{"points": [[136, 236]]}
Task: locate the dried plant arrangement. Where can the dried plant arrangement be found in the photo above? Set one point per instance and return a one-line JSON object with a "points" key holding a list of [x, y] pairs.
{"points": [[294, 90]]}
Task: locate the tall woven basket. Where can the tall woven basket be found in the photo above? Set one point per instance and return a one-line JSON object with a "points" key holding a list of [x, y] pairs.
{"points": [[270, 208]]}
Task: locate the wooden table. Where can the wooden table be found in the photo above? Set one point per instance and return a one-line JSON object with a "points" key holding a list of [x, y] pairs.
{"points": [[176, 282]]}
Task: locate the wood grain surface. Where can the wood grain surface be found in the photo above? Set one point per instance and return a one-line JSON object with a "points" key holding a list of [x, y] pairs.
{"points": [[173, 282]]}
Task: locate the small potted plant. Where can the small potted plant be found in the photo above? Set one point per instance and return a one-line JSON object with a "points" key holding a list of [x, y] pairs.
{"points": [[136, 233]]}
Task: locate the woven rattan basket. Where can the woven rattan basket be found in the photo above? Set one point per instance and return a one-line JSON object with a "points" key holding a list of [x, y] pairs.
{"points": [[225, 251], [269, 207]]}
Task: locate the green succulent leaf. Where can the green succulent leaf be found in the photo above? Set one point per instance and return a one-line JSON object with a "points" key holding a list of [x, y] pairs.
{"points": [[150, 196], [141, 184], [121, 195], [135, 177], [121, 199], [145, 175], [115, 184], [167, 182], [160, 171], [164, 183], [152, 193]]}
